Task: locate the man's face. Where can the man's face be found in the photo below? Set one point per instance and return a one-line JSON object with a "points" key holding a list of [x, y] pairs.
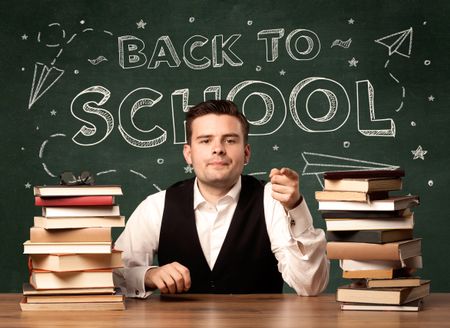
{"points": [[217, 151]]}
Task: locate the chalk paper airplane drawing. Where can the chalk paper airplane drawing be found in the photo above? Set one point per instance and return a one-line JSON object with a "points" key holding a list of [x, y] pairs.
{"points": [[399, 43], [43, 79], [317, 164]]}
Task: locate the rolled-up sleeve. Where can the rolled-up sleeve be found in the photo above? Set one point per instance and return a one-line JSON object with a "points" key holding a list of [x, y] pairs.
{"points": [[297, 245], [139, 243]]}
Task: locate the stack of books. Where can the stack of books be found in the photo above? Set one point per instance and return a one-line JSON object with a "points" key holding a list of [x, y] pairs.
{"points": [[71, 257], [370, 232]]}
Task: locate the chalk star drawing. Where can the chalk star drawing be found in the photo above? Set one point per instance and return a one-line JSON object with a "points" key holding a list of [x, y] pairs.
{"points": [[24, 37], [317, 164], [53, 112], [141, 24], [399, 43], [419, 153], [275, 147], [351, 21], [27, 185], [353, 62], [282, 72], [431, 98], [188, 169]]}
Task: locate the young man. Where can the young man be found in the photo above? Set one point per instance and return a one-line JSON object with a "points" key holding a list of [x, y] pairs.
{"points": [[223, 232]]}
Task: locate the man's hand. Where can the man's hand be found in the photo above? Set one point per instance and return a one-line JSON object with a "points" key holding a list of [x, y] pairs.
{"points": [[285, 187], [169, 279]]}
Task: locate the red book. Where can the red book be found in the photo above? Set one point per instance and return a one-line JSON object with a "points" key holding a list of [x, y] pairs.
{"points": [[74, 201]]}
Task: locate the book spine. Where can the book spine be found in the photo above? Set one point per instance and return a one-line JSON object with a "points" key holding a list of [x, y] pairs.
{"points": [[41, 235], [74, 201], [362, 251]]}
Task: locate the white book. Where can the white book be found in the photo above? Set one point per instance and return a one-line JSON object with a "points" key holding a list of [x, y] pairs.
{"points": [[78, 190], [389, 204], [65, 248], [80, 211], [370, 224], [79, 279], [357, 265]]}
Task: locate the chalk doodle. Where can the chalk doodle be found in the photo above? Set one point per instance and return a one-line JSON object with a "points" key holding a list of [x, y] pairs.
{"points": [[419, 153], [317, 164], [399, 43], [106, 172], [45, 77], [258, 173], [97, 60], [141, 24], [41, 153], [188, 169], [138, 174], [342, 44], [353, 62]]}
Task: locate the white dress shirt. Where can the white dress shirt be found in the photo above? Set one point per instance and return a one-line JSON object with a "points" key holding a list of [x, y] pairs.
{"points": [[298, 247]]}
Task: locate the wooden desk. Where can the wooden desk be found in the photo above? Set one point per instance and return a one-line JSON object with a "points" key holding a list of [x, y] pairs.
{"points": [[253, 311]]}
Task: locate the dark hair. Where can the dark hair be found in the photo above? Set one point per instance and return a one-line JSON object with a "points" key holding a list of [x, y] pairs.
{"points": [[218, 107]]}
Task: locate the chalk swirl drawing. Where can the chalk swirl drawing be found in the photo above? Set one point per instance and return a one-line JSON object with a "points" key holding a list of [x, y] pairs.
{"points": [[97, 60], [342, 44]]}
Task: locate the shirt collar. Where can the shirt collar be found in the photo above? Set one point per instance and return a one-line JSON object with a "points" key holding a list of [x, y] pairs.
{"points": [[233, 193]]}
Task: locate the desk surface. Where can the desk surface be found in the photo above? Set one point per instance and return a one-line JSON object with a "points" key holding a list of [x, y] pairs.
{"points": [[281, 310]]}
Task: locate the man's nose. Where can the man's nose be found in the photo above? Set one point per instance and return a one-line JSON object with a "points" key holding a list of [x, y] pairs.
{"points": [[218, 148]]}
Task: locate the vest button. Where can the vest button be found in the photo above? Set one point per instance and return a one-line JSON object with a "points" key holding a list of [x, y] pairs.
{"points": [[212, 284]]}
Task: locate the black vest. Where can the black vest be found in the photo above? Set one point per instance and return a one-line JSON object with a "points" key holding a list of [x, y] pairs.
{"points": [[245, 263]]}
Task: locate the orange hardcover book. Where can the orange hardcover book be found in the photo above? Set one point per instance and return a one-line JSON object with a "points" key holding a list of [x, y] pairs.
{"points": [[367, 251]]}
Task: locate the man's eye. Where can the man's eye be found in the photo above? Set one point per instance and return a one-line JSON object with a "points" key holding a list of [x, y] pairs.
{"points": [[204, 141], [230, 141]]}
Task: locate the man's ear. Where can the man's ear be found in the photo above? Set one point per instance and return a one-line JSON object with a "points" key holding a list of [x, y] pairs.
{"points": [[187, 154], [247, 153]]}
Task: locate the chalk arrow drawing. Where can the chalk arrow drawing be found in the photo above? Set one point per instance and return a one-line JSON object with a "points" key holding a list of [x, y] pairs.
{"points": [[43, 79], [399, 43], [316, 164]]}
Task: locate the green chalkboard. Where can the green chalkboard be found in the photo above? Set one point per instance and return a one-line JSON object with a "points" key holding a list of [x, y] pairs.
{"points": [[327, 85]]}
